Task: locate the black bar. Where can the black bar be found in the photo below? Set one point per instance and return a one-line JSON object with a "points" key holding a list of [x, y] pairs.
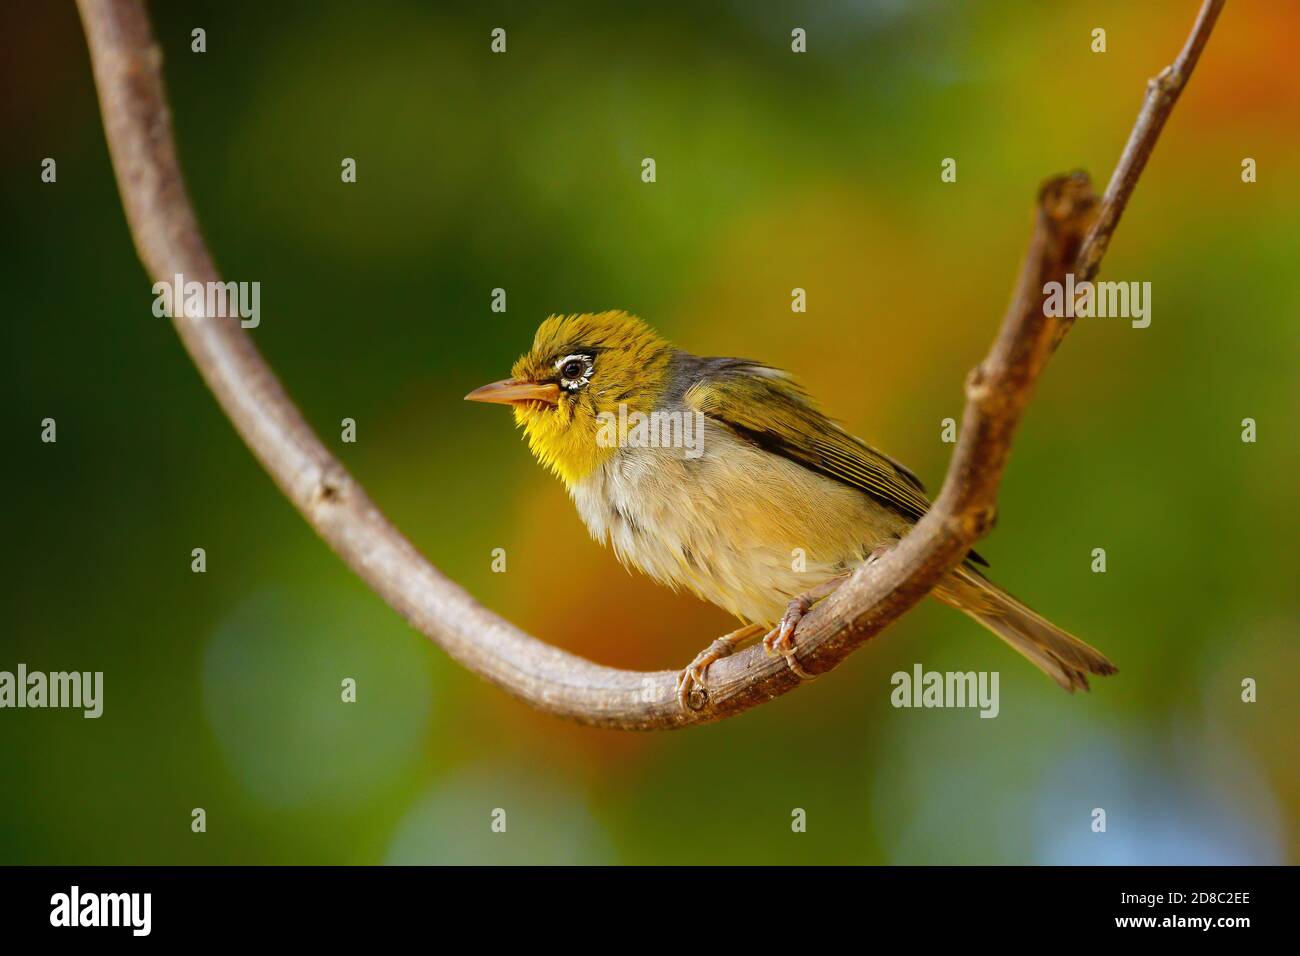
{"points": [[330, 905]]}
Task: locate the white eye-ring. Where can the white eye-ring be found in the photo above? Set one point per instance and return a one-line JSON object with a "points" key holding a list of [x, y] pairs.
{"points": [[575, 371]]}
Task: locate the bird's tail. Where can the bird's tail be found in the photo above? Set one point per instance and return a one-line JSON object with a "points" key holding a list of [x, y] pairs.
{"points": [[1060, 655]]}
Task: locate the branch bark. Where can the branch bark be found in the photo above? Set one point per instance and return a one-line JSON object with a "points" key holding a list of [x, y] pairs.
{"points": [[1071, 231]]}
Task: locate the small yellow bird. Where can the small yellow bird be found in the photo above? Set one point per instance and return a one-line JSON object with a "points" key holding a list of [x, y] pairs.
{"points": [[721, 476]]}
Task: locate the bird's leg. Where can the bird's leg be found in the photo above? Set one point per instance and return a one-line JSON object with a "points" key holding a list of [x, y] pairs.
{"points": [[694, 674], [780, 640]]}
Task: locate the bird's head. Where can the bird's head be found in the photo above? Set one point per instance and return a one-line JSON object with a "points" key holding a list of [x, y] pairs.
{"points": [[580, 368]]}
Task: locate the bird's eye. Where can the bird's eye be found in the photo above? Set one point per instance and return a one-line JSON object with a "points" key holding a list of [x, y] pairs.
{"points": [[574, 371]]}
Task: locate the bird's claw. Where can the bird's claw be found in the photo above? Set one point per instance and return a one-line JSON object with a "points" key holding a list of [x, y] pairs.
{"points": [[780, 640], [692, 681]]}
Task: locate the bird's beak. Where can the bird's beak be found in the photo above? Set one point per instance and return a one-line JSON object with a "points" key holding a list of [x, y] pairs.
{"points": [[511, 392]]}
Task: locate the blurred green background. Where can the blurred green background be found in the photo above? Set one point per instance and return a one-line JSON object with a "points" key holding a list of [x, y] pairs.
{"points": [[521, 171]]}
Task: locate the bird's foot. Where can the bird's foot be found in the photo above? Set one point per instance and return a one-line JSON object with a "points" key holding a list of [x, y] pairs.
{"points": [[692, 687], [878, 553], [780, 640]]}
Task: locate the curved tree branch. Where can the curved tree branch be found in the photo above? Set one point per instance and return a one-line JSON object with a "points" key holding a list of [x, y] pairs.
{"points": [[1071, 232]]}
